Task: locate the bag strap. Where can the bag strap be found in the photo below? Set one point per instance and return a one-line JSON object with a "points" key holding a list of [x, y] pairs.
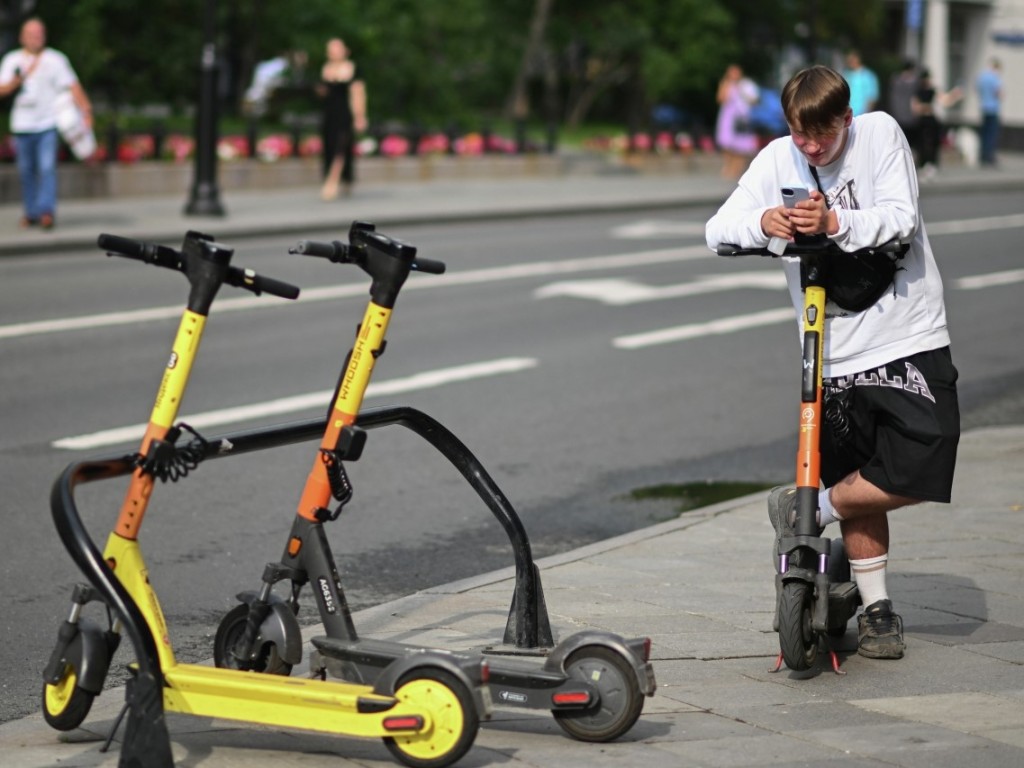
{"points": [[817, 183]]}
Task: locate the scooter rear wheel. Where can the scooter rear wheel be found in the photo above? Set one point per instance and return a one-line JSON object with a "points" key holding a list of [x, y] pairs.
{"points": [[620, 698], [229, 632], [454, 718], [797, 640], [66, 704]]}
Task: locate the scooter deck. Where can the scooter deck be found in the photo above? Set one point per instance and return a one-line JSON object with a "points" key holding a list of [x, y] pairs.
{"points": [[317, 705], [513, 681]]}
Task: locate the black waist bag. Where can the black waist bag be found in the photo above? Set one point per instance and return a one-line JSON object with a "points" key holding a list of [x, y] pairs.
{"points": [[855, 281]]}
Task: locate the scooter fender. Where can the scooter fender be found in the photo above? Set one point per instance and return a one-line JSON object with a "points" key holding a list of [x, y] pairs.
{"points": [[84, 646], [632, 650], [280, 627], [466, 669]]}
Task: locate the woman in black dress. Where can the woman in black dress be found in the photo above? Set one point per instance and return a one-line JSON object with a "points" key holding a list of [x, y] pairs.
{"points": [[344, 116], [925, 104]]}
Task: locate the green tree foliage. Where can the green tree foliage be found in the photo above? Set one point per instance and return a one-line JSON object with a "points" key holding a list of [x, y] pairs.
{"points": [[442, 61]]}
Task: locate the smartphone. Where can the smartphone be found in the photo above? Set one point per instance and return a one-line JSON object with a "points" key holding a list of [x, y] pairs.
{"points": [[793, 195]]}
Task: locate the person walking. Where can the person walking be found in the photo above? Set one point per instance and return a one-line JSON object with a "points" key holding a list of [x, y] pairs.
{"points": [[38, 77], [889, 381], [344, 116], [926, 103], [734, 134], [902, 88], [990, 95], [863, 85]]}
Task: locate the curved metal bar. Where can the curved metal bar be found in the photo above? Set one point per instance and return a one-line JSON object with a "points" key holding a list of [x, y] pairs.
{"points": [[146, 737], [528, 624]]}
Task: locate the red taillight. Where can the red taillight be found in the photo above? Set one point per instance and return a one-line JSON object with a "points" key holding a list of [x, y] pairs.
{"points": [[647, 649], [485, 672], [403, 723], [569, 698]]}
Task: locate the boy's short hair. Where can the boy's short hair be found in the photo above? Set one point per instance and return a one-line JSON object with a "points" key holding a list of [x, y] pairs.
{"points": [[814, 99]]}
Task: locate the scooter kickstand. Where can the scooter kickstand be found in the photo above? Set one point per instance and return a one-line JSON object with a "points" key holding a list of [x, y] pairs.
{"points": [[835, 662]]}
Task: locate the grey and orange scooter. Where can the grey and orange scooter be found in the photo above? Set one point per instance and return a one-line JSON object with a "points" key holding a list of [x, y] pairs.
{"points": [[594, 682], [815, 594], [427, 708]]}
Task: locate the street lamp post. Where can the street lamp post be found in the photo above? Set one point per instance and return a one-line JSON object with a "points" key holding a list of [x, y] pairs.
{"points": [[205, 196]]}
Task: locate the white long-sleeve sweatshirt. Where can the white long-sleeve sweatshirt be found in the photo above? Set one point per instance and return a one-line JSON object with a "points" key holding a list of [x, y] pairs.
{"points": [[872, 186]]}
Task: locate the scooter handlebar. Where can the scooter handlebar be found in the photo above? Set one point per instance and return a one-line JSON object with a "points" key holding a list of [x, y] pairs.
{"points": [[250, 281], [893, 248], [340, 253], [430, 266], [162, 256], [149, 253], [335, 251]]}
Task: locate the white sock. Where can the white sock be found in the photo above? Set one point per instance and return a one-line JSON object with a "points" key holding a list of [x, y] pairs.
{"points": [[826, 512], [870, 577]]}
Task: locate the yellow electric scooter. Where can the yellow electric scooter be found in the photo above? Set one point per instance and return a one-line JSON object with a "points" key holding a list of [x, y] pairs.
{"points": [[427, 709]]}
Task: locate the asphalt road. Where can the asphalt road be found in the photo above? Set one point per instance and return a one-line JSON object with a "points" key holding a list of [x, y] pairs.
{"points": [[574, 399]]}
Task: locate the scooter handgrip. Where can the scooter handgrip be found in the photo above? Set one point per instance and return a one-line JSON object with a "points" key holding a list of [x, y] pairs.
{"points": [[728, 249], [430, 266], [150, 253], [250, 281], [334, 251]]}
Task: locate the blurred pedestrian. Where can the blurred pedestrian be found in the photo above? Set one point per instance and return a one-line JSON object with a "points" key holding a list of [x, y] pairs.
{"points": [[734, 132], [39, 77], [902, 88], [990, 95], [344, 116], [863, 84], [927, 103]]}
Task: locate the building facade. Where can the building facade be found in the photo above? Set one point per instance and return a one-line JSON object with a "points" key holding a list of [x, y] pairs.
{"points": [[956, 39]]}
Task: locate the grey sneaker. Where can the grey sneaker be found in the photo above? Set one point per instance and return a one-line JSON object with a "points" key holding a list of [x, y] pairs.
{"points": [[781, 511], [880, 632]]}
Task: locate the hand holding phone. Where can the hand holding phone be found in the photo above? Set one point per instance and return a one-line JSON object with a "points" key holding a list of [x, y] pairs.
{"points": [[793, 194]]}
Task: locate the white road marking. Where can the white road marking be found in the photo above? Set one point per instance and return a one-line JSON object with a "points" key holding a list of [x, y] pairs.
{"points": [[990, 280], [698, 330], [964, 226], [616, 292], [416, 382], [652, 228], [327, 293]]}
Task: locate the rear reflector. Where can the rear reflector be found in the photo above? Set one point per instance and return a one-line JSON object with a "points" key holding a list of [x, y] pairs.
{"points": [[403, 723], [568, 698]]}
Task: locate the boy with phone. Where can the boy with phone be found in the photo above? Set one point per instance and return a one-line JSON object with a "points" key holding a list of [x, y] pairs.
{"points": [[890, 384]]}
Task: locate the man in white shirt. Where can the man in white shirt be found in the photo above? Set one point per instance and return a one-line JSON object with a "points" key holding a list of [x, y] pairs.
{"points": [[38, 76], [888, 373]]}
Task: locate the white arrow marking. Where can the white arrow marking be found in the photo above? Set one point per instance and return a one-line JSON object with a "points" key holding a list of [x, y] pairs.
{"points": [[416, 382], [622, 292]]}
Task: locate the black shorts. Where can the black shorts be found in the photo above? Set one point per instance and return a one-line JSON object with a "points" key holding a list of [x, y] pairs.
{"points": [[898, 424]]}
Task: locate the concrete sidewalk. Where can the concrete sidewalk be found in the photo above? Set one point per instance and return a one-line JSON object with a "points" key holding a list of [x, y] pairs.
{"points": [[610, 184], [701, 587]]}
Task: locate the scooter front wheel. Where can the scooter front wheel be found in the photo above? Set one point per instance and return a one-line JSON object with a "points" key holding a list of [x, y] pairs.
{"points": [[230, 631], [797, 640], [454, 719], [620, 698], [65, 703]]}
